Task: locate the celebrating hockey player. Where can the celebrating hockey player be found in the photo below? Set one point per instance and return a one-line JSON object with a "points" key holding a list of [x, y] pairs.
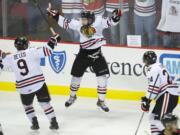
{"points": [[90, 29], [30, 81], [170, 123], [160, 88]]}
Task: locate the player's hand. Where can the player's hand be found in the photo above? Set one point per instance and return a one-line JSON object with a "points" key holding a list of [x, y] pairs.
{"points": [[52, 13], [117, 13], [145, 104], [54, 40]]}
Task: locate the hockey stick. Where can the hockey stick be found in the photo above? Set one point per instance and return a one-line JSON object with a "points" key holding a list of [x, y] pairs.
{"points": [[44, 17], [140, 121]]}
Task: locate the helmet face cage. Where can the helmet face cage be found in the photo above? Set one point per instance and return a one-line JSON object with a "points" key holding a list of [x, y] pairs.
{"points": [[90, 16], [21, 43], [149, 57]]}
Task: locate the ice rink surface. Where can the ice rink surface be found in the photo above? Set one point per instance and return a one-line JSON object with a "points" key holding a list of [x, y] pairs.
{"points": [[83, 118]]}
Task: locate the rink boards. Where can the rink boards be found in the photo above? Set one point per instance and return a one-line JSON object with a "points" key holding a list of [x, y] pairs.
{"points": [[127, 79]]}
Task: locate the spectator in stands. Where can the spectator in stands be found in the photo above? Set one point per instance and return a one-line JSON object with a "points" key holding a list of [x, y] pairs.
{"points": [[145, 20], [119, 33], [34, 16], [98, 7], [17, 20], [72, 9], [168, 26]]}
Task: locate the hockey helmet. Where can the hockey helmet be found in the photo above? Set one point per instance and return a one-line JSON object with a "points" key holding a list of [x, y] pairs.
{"points": [[21, 43], [90, 16], [149, 57]]}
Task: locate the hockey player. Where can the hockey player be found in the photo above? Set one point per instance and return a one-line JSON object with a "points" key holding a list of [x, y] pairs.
{"points": [[90, 29], [170, 123], [30, 81], [160, 88]]}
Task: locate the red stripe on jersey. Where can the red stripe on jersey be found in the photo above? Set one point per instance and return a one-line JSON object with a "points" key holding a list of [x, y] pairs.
{"points": [[30, 81], [91, 43], [47, 52], [153, 89], [48, 109]]}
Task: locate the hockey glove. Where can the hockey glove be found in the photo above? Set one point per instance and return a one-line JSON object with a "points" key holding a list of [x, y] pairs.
{"points": [[117, 13], [52, 13], [145, 104], [54, 40]]}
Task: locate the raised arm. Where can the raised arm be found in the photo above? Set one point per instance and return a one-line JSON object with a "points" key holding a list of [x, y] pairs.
{"points": [[62, 21], [47, 50]]}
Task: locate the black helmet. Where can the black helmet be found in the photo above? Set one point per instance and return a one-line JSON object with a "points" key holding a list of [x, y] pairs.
{"points": [[169, 118], [149, 57], [89, 15], [21, 43]]}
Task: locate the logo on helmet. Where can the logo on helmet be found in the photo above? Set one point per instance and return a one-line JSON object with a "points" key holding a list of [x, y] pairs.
{"points": [[57, 61]]}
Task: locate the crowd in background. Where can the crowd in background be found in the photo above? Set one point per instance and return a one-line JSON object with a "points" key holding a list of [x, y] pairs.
{"points": [[140, 17]]}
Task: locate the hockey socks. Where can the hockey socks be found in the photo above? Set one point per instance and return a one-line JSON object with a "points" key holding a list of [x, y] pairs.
{"points": [[75, 84]]}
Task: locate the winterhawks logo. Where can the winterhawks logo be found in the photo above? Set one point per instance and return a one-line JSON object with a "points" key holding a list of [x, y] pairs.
{"points": [[57, 61]]}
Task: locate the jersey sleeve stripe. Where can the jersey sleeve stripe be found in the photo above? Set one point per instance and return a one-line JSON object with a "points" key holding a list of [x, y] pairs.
{"points": [[47, 52], [44, 51], [154, 92]]}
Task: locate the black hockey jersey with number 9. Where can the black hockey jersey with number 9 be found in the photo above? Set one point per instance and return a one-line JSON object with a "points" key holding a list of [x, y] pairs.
{"points": [[26, 66], [159, 82]]}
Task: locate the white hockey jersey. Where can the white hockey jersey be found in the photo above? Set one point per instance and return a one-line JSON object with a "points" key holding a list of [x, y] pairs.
{"points": [[26, 66], [170, 16], [96, 40], [145, 7], [117, 4], [163, 83]]}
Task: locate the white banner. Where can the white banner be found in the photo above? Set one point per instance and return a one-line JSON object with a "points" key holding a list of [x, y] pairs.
{"points": [[125, 64]]}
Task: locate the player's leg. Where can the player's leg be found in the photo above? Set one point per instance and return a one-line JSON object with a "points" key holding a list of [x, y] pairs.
{"points": [[79, 67], [100, 67], [27, 101], [75, 84], [44, 101], [164, 105]]}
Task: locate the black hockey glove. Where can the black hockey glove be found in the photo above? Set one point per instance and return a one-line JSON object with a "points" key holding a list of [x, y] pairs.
{"points": [[52, 13], [54, 40], [117, 13], [145, 104]]}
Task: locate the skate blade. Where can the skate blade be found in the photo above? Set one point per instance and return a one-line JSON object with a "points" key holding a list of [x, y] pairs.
{"points": [[101, 110]]}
